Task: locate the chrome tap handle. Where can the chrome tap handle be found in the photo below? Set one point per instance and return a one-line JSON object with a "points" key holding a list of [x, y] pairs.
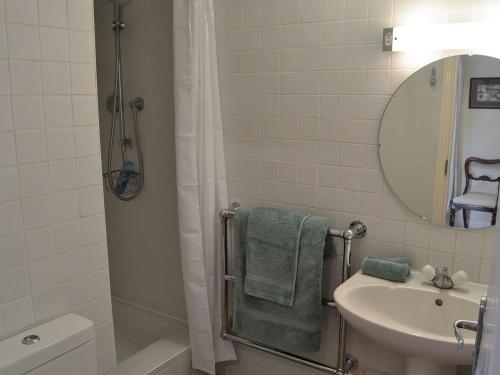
{"points": [[463, 324], [442, 280]]}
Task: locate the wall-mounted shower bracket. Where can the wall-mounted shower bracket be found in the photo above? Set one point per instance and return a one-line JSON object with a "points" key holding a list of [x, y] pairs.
{"points": [[117, 25], [137, 103]]}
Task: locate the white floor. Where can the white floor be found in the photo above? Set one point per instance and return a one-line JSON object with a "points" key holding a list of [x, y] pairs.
{"points": [[148, 342]]}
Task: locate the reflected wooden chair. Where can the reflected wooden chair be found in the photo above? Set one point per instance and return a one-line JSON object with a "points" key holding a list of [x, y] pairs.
{"points": [[469, 201]]}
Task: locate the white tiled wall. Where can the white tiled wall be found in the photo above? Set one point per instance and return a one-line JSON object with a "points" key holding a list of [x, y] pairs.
{"points": [[53, 256], [304, 84]]}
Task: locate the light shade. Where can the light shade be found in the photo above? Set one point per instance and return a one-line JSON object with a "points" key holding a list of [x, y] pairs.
{"points": [[452, 36]]}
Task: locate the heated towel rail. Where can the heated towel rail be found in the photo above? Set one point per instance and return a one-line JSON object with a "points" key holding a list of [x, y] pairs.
{"points": [[344, 361]]}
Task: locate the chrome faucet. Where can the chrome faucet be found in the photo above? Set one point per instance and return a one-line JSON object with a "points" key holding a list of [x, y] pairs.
{"points": [[442, 280]]}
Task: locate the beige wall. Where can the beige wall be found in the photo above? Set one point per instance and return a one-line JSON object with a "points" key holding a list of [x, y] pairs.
{"points": [[304, 84], [143, 234], [53, 256]]}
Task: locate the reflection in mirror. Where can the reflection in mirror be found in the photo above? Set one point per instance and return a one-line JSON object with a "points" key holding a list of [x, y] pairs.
{"points": [[440, 141]]}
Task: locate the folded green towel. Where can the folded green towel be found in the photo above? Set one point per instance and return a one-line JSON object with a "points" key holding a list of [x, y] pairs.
{"points": [[273, 238], [394, 269], [294, 328]]}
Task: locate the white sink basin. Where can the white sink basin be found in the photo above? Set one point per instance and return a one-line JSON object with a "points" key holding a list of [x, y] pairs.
{"points": [[406, 318]]}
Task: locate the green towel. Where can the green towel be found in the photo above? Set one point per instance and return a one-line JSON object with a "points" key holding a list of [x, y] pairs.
{"points": [[273, 238], [394, 269], [294, 328]]}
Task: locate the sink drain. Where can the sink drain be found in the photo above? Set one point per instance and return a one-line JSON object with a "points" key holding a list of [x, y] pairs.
{"points": [[439, 302]]}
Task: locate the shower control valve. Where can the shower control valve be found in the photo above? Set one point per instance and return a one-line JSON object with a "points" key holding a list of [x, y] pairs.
{"points": [[127, 142]]}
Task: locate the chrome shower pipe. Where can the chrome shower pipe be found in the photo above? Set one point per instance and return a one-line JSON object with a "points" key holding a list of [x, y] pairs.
{"points": [[118, 107]]}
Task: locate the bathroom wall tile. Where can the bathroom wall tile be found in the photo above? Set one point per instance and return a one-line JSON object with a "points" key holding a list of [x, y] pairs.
{"points": [[43, 274], [356, 9], [28, 112], [355, 32], [23, 42], [52, 13], [93, 229], [70, 264], [40, 243], [85, 110], [328, 176], [21, 11], [37, 212], [87, 141], [106, 360], [25, 78], [91, 200], [89, 171], [74, 293], [31, 147], [100, 309], [6, 121], [7, 150], [47, 303], [442, 239], [488, 246], [469, 243], [470, 265], [96, 256], [484, 272], [61, 144], [380, 8], [4, 78], [56, 78], [65, 205], [54, 44], [440, 259], [14, 284], [392, 231], [10, 218], [62, 174], [417, 235], [332, 33], [104, 335], [68, 235], [58, 111], [98, 284], [83, 79], [12, 251], [80, 15], [9, 189], [81, 46], [17, 314]]}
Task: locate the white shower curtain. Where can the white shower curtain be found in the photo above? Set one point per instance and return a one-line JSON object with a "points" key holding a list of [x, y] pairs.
{"points": [[489, 360], [201, 178]]}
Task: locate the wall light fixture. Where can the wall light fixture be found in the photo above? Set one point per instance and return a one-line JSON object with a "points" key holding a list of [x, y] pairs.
{"points": [[452, 36]]}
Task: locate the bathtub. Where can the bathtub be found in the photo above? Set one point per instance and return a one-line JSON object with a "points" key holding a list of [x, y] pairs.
{"points": [[149, 342]]}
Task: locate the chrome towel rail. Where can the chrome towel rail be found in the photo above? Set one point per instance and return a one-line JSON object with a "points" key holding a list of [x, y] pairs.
{"points": [[345, 362]]}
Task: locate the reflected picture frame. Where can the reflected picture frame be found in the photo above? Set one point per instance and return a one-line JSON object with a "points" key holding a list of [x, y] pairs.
{"points": [[484, 93]]}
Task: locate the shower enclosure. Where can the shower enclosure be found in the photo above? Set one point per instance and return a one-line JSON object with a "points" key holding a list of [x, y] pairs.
{"points": [[135, 87]]}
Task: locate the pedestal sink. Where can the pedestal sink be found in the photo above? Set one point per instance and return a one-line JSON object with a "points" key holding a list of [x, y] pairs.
{"points": [[413, 318]]}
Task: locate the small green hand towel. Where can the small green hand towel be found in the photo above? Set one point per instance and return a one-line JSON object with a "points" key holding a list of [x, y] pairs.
{"points": [[393, 269]]}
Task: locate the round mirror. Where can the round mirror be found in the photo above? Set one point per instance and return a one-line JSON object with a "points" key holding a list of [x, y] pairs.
{"points": [[440, 141]]}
